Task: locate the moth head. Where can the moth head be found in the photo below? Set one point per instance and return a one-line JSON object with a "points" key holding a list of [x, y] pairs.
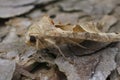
{"points": [[31, 35], [38, 30], [30, 40]]}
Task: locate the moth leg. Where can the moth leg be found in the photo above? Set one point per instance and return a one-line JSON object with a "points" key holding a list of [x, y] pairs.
{"points": [[53, 43], [37, 47], [73, 42], [63, 54], [37, 44], [59, 50]]}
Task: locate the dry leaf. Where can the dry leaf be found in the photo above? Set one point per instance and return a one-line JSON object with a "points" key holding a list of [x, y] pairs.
{"points": [[107, 21], [43, 1], [13, 3], [20, 24], [97, 7], [6, 12], [7, 69]]}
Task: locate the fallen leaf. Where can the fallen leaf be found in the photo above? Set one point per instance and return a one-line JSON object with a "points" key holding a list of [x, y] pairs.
{"points": [[6, 12], [106, 64], [7, 69], [15, 3], [20, 24]]}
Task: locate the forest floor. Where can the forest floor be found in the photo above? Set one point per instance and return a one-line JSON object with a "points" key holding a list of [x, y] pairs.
{"points": [[18, 61]]}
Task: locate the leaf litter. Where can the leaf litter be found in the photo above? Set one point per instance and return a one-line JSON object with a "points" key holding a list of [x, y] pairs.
{"points": [[93, 56]]}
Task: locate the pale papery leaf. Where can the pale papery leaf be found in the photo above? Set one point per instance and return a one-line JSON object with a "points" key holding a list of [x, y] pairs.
{"points": [[107, 21], [90, 27]]}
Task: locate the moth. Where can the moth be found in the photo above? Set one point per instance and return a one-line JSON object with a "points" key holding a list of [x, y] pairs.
{"points": [[46, 33]]}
